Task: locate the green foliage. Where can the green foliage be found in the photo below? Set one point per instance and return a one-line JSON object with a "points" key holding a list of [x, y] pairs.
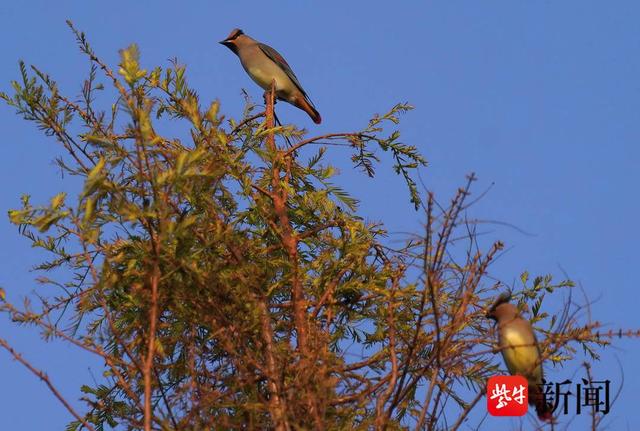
{"points": [[224, 281], [130, 65]]}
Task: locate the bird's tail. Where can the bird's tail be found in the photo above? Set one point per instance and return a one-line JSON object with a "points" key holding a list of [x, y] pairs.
{"points": [[543, 408], [544, 412], [304, 104]]}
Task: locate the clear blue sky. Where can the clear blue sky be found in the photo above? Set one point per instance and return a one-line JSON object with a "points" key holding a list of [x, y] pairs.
{"points": [[539, 98]]}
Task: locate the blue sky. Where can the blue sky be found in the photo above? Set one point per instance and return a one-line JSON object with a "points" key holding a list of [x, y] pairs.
{"points": [[539, 98]]}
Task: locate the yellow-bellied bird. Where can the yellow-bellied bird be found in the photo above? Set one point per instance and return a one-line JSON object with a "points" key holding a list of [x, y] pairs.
{"points": [[264, 65], [520, 351]]}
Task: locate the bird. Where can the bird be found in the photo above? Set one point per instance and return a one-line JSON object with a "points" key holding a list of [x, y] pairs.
{"points": [[520, 351], [265, 65]]}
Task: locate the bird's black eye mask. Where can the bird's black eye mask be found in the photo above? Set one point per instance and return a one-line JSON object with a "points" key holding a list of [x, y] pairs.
{"points": [[234, 35], [228, 42]]}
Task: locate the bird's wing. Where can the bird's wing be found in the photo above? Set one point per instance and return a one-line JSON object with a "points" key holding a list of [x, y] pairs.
{"points": [[539, 369], [282, 63], [520, 349]]}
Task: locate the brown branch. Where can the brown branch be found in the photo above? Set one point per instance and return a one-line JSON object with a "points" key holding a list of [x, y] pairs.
{"points": [[147, 369], [269, 116], [433, 419], [88, 346], [246, 121], [277, 409], [317, 138], [288, 238], [103, 303], [165, 399], [328, 293], [43, 376], [88, 51], [362, 364], [381, 417], [63, 137], [427, 400], [261, 190], [316, 229], [429, 288], [467, 410], [360, 395]]}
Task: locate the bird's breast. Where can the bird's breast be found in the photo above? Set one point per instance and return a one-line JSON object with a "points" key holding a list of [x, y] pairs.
{"points": [[520, 352], [264, 72]]}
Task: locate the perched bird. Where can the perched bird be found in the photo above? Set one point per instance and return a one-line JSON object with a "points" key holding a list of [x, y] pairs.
{"points": [[520, 351], [264, 65]]}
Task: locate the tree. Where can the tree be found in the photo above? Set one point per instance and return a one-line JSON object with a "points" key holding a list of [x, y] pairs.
{"points": [[228, 283]]}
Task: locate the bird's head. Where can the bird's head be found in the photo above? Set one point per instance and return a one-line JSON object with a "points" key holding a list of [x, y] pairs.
{"points": [[234, 38], [502, 308]]}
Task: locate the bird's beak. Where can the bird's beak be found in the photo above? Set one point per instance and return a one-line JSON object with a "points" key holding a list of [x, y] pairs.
{"points": [[230, 44]]}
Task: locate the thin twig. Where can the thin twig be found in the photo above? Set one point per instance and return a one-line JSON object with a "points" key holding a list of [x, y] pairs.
{"points": [[43, 376]]}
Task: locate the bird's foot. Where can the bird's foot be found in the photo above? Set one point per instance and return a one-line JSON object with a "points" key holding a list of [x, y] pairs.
{"points": [[266, 96]]}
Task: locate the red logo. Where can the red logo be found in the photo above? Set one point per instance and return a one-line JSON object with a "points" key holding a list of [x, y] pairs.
{"points": [[507, 396]]}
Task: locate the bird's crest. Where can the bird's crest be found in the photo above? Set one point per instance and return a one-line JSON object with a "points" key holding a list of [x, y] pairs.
{"points": [[501, 299], [234, 34]]}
